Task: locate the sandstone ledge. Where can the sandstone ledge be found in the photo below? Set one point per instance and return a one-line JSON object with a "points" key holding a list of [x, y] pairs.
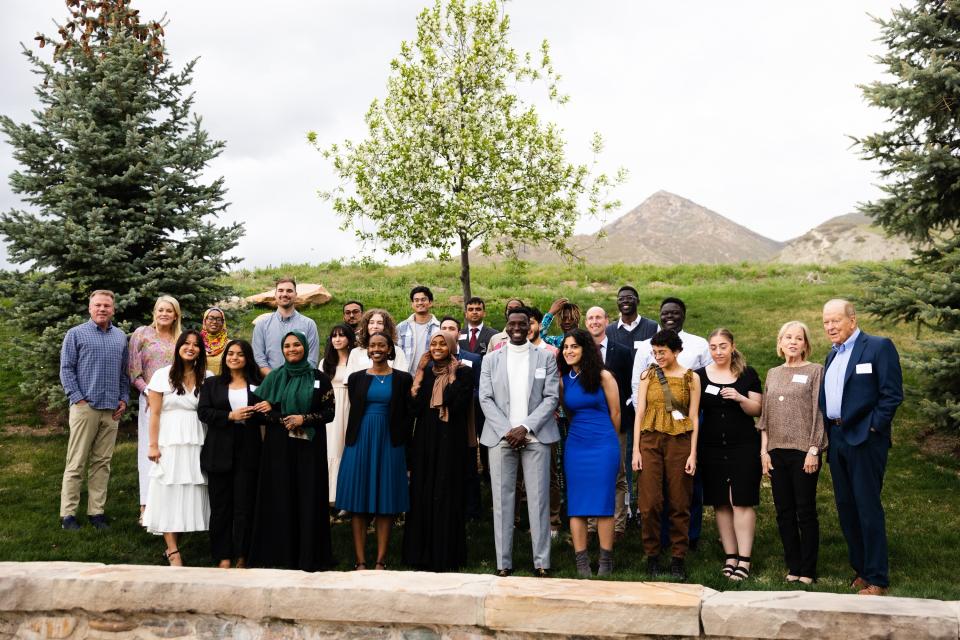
{"points": [[66, 600]]}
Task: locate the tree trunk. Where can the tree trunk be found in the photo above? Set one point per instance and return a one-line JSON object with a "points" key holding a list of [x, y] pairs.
{"points": [[465, 269]]}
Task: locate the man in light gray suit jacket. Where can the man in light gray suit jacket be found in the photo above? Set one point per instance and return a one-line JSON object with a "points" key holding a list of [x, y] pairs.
{"points": [[519, 392]]}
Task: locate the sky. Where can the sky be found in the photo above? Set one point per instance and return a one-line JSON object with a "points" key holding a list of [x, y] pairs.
{"points": [[744, 107]]}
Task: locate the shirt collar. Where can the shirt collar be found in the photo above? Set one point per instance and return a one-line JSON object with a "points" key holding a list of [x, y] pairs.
{"points": [[848, 343], [477, 328], [282, 319], [631, 326], [97, 327], [603, 344]]}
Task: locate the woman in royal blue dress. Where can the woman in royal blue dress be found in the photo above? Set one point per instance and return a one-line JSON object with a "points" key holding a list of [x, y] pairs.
{"points": [[592, 451], [372, 482]]}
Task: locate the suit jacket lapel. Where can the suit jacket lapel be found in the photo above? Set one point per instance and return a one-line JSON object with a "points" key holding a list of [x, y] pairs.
{"points": [[499, 374], [534, 365], [858, 348]]}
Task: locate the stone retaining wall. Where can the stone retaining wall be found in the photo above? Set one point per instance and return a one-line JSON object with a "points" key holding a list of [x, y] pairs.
{"points": [[66, 600]]}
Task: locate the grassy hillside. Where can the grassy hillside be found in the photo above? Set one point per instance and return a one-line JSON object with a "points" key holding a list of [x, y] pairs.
{"points": [[922, 494]]}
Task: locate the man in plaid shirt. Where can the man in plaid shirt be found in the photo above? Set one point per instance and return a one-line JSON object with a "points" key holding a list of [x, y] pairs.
{"points": [[93, 371]]}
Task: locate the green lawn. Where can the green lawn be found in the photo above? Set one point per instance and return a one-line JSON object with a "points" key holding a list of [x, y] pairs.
{"points": [[922, 495]]}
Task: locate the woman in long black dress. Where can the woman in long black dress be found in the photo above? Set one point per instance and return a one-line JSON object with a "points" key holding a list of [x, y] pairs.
{"points": [[292, 526], [435, 537], [231, 450], [729, 449]]}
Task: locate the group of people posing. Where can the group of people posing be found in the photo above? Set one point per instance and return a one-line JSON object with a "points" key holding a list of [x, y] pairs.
{"points": [[263, 443]]}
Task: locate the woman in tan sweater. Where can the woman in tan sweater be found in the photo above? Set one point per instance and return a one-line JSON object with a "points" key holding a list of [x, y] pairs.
{"points": [[792, 439]]}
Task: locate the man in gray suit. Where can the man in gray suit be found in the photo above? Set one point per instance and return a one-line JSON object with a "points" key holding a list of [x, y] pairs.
{"points": [[519, 391]]}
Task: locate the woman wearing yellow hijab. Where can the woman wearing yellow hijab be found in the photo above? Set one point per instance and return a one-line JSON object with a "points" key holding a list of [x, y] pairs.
{"points": [[214, 336]]}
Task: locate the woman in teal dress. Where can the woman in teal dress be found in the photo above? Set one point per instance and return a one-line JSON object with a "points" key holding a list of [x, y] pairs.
{"points": [[373, 472]]}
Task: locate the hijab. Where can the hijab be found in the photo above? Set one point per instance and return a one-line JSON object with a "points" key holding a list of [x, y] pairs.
{"points": [[444, 372], [290, 386], [215, 342]]}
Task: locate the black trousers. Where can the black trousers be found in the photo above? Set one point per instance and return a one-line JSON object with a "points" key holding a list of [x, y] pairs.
{"points": [[471, 485], [795, 498], [232, 496]]}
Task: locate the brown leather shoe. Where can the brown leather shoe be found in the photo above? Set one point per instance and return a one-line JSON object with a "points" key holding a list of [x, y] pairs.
{"points": [[858, 584], [872, 590]]}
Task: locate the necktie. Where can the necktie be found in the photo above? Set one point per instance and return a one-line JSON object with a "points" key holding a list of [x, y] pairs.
{"points": [[473, 339]]}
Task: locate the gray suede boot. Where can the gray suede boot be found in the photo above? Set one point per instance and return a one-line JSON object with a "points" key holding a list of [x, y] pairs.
{"points": [[583, 564], [606, 562]]}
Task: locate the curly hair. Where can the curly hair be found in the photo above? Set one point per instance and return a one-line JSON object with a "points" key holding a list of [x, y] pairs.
{"points": [[590, 364], [389, 327]]}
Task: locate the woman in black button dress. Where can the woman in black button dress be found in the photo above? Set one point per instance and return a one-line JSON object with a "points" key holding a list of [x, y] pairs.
{"points": [[729, 449]]}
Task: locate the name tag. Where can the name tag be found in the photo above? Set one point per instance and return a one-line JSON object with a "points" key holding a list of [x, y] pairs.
{"points": [[464, 336], [540, 373], [253, 388], [799, 377], [677, 415], [316, 384], [712, 389], [469, 363], [865, 367]]}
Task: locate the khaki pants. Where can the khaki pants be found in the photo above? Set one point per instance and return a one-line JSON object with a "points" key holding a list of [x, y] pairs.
{"points": [[93, 434], [664, 457]]}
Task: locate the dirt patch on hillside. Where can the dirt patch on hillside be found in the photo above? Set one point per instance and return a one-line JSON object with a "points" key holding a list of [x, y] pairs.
{"points": [[938, 443]]}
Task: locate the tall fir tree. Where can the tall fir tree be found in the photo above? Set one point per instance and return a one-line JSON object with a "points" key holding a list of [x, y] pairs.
{"points": [[920, 159], [111, 167]]}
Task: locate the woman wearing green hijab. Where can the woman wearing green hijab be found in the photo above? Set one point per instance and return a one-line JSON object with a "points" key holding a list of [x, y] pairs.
{"points": [[292, 527]]}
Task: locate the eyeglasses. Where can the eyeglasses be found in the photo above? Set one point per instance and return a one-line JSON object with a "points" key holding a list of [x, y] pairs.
{"points": [[214, 319]]}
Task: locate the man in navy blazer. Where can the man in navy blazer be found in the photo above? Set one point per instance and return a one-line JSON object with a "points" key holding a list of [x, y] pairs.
{"points": [[861, 390]]}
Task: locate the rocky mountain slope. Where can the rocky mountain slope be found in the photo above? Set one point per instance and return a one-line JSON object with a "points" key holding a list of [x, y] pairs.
{"points": [[665, 229], [847, 237]]}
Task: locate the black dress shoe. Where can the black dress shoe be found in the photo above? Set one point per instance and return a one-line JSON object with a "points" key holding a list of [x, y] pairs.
{"points": [[677, 570], [69, 523], [99, 522], [503, 573], [540, 572], [653, 566]]}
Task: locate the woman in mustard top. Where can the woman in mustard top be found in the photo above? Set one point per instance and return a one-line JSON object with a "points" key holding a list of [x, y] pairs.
{"points": [[665, 449]]}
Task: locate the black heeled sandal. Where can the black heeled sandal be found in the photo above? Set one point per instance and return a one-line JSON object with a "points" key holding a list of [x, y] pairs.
{"points": [[728, 568], [741, 573], [169, 554], [360, 566], [380, 566]]}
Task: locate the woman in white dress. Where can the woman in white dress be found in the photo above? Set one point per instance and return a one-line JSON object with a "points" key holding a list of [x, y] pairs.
{"points": [[177, 501], [374, 321], [151, 347], [340, 343]]}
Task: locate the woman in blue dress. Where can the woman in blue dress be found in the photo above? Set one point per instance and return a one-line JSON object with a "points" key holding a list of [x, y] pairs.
{"points": [[372, 482], [592, 451]]}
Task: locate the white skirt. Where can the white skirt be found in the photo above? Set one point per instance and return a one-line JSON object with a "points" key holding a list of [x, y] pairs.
{"points": [[177, 500]]}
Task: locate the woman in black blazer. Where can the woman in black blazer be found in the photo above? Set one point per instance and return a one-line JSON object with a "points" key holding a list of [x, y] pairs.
{"points": [[231, 450], [372, 481]]}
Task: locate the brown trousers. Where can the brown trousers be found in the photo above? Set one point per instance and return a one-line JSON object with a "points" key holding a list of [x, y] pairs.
{"points": [[664, 457]]}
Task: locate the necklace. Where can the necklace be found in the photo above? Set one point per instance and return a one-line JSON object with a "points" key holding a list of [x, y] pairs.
{"points": [[381, 379], [572, 375]]}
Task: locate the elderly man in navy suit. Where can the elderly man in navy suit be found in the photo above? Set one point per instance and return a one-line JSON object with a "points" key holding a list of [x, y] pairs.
{"points": [[861, 390]]}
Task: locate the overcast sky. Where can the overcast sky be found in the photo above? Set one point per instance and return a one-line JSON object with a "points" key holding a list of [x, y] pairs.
{"points": [[744, 107]]}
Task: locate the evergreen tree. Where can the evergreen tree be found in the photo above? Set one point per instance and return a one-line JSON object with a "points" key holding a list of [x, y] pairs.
{"points": [[920, 158], [111, 167]]}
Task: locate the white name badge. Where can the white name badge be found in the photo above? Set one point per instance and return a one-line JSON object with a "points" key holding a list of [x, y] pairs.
{"points": [[800, 377], [469, 363], [540, 373], [253, 388], [637, 343], [316, 384], [677, 415], [866, 367], [464, 336], [712, 389]]}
